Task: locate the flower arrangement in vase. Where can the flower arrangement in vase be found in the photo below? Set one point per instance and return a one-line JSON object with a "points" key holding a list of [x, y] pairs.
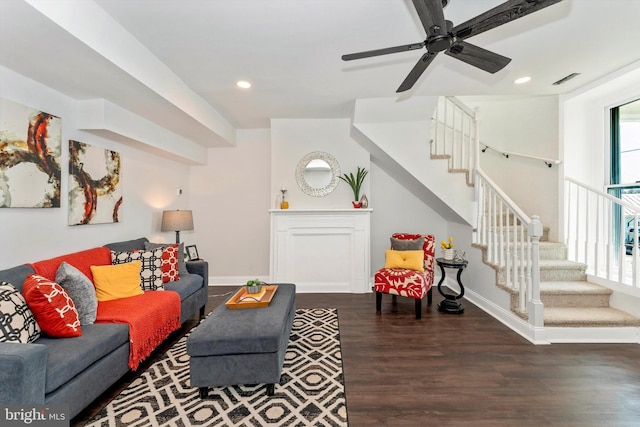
{"points": [[447, 249], [355, 182]]}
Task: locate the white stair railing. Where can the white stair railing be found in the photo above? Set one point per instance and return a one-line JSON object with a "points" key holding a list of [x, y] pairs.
{"points": [[454, 135], [595, 234], [511, 239], [508, 234]]}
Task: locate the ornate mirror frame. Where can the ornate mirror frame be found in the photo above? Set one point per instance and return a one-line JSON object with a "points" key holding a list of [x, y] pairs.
{"points": [[335, 173]]}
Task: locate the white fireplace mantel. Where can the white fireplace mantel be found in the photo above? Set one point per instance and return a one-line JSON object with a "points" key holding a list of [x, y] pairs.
{"points": [[321, 250]]}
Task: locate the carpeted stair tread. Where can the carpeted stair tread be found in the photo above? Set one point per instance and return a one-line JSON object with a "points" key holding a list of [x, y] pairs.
{"points": [[572, 288], [561, 264], [588, 317]]}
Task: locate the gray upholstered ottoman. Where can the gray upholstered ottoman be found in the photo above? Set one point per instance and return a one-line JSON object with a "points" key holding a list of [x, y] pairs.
{"points": [[245, 346]]}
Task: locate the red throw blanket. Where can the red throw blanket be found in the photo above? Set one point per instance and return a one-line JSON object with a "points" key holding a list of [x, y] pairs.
{"points": [[151, 316]]}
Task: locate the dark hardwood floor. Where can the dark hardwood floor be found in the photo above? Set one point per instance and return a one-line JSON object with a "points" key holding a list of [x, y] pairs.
{"points": [[454, 370]]}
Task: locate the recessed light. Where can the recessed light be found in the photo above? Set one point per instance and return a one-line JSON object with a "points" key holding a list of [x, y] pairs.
{"points": [[243, 84], [522, 80]]}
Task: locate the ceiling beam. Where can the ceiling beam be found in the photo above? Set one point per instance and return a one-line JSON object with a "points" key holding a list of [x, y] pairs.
{"points": [[91, 25]]}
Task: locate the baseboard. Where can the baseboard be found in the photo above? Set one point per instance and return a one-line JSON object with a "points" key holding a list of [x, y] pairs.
{"points": [[234, 280], [302, 288], [553, 335], [628, 335], [529, 332]]}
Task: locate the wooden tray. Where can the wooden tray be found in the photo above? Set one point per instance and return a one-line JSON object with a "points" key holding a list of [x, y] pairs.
{"points": [[237, 302]]}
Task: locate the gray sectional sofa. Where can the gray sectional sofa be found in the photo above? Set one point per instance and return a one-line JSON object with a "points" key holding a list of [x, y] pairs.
{"points": [[75, 371]]}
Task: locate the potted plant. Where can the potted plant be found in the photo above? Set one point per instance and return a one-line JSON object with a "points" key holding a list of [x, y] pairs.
{"points": [[447, 249], [355, 182], [254, 286]]}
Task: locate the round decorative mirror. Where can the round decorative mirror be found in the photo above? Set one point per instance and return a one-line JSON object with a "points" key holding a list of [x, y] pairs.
{"points": [[317, 174]]}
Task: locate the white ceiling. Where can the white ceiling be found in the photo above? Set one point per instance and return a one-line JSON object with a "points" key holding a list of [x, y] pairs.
{"points": [[290, 50]]}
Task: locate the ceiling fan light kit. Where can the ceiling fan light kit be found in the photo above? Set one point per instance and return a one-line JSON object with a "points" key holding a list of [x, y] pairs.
{"points": [[443, 36]]}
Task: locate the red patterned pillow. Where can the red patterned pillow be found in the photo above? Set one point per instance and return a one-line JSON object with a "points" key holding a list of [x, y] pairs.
{"points": [[170, 264], [52, 307]]}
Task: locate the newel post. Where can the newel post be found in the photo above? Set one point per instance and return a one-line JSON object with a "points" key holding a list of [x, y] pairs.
{"points": [[535, 307]]}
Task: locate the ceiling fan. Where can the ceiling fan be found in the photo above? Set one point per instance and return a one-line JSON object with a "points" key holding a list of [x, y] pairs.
{"points": [[443, 36]]}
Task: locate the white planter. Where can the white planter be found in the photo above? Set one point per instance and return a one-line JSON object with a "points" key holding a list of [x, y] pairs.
{"points": [[447, 254]]}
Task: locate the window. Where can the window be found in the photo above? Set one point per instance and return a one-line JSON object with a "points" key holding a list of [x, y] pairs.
{"points": [[624, 180], [625, 144]]}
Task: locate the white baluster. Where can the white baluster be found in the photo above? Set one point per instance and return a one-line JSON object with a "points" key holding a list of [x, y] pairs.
{"points": [[501, 235], [535, 307], [522, 284], [509, 245], [514, 265], [494, 241], [587, 215], [634, 254]]}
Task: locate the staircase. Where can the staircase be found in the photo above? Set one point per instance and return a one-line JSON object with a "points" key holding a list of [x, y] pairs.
{"points": [[543, 288], [564, 296], [569, 299]]}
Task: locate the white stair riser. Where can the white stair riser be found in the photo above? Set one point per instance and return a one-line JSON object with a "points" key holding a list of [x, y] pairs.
{"points": [[562, 275], [555, 252], [552, 275], [575, 300], [546, 252]]}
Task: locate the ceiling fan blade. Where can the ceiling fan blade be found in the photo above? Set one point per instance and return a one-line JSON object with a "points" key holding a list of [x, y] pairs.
{"points": [[486, 60], [499, 15], [431, 16], [385, 51], [417, 71]]}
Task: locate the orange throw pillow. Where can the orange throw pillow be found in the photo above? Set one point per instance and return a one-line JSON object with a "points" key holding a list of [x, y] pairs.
{"points": [[117, 281], [407, 260]]}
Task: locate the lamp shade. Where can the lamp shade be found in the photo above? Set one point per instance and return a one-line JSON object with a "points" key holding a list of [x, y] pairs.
{"points": [[177, 220]]}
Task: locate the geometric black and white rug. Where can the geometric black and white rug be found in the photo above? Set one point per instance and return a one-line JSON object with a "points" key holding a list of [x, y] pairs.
{"points": [[311, 389]]}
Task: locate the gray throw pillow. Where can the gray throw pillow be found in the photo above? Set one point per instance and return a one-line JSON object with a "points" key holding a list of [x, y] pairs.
{"points": [[407, 245], [80, 290], [182, 266]]}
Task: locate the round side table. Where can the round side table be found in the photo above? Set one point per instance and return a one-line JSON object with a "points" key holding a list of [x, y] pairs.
{"points": [[450, 303]]}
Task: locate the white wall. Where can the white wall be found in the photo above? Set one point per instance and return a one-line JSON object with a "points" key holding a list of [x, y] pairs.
{"points": [[231, 198], [149, 185], [397, 211], [292, 139], [528, 126], [585, 124]]}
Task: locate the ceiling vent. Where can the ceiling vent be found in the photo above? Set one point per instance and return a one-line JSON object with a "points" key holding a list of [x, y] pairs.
{"points": [[566, 79]]}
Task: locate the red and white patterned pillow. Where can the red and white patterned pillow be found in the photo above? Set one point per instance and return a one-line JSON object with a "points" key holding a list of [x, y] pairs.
{"points": [[170, 264], [151, 269], [52, 307]]}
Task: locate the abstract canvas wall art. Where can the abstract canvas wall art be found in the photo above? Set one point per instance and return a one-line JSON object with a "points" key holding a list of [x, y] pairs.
{"points": [[95, 193], [30, 148]]}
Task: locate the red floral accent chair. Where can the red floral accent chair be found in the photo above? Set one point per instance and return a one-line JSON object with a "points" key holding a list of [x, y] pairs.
{"points": [[408, 283]]}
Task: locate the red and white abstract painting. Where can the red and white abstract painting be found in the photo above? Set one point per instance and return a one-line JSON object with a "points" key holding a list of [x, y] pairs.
{"points": [[30, 148], [95, 193]]}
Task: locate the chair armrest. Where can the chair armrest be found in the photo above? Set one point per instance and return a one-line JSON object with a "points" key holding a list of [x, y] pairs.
{"points": [[22, 372], [201, 268]]}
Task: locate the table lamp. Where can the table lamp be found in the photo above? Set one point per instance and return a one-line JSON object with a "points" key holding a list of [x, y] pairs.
{"points": [[177, 221]]}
